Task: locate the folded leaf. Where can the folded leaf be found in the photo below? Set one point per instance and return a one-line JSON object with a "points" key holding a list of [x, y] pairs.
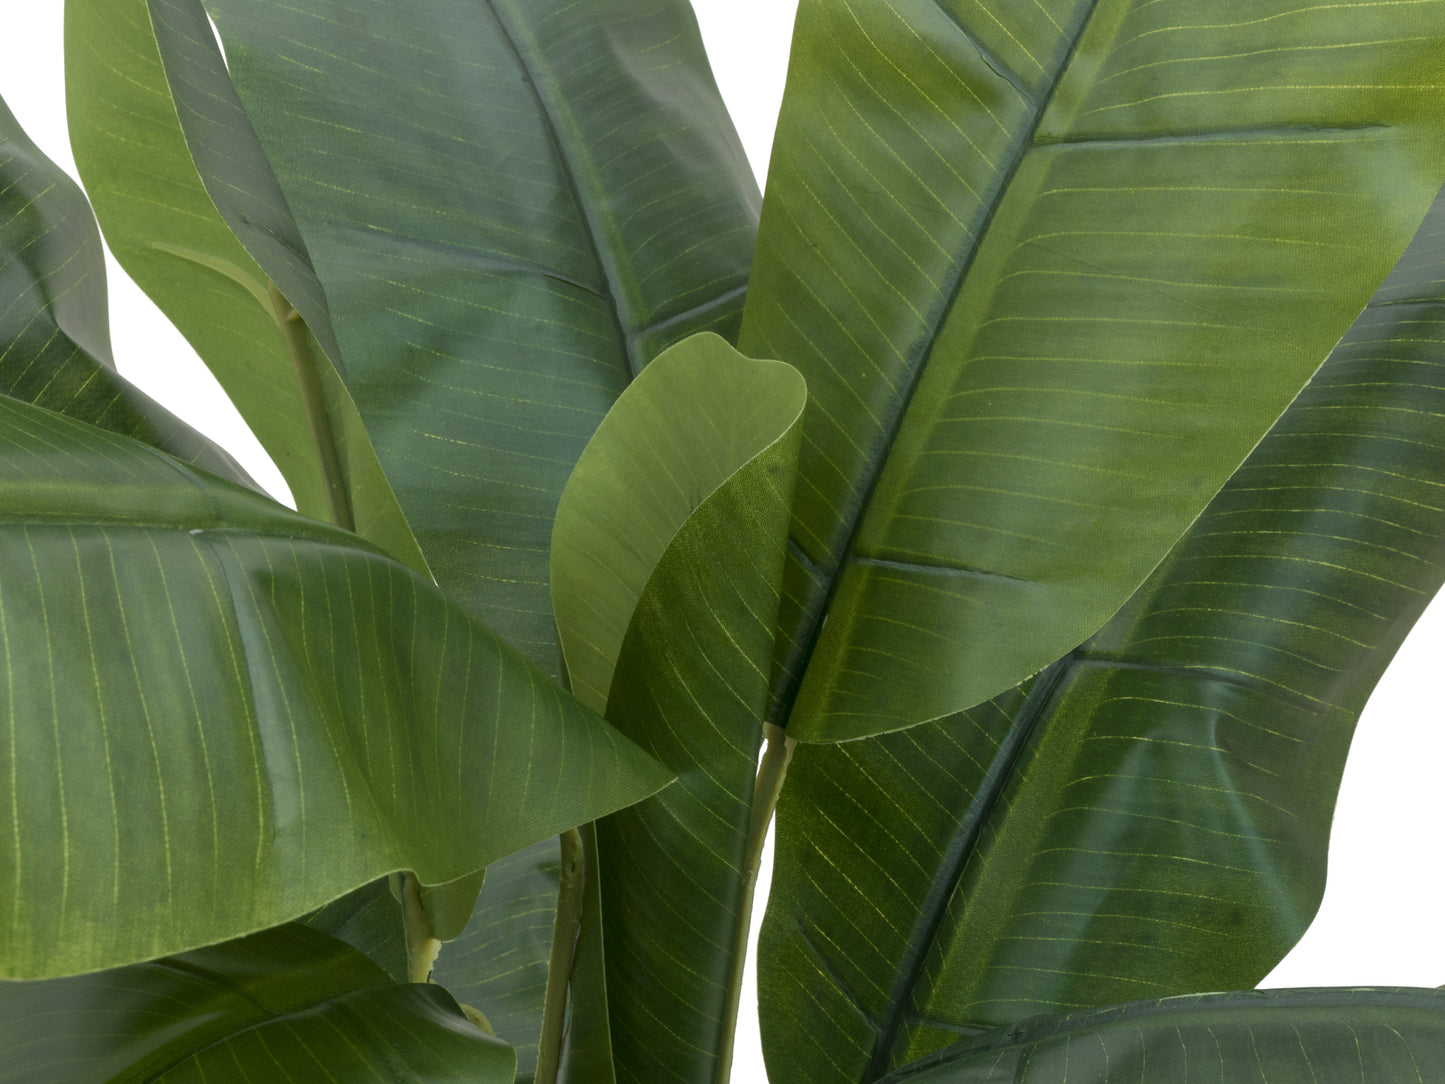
{"points": [[551, 194], [1279, 1036], [667, 558], [220, 714], [1051, 270], [289, 1004], [54, 336], [1151, 815], [174, 167]]}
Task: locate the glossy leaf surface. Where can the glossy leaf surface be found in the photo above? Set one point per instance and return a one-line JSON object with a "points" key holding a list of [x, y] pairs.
{"points": [[667, 558], [1150, 816], [288, 1004], [54, 336], [219, 714], [192, 210], [552, 193], [1029, 258], [1270, 1036]]}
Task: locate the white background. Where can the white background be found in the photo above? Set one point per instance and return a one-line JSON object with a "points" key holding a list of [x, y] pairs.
{"points": [[1380, 923]]}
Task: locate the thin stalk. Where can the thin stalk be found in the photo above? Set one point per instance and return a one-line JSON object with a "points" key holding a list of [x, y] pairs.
{"points": [[421, 946], [313, 401], [559, 964], [771, 772]]}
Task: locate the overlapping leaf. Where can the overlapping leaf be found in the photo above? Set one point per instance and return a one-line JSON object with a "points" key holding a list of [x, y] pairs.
{"points": [[1275, 1036], [54, 336], [513, 206], [218, 714], [289, 1004], [1051, 270], [1149, 816], [667, 559], [192, 210]]}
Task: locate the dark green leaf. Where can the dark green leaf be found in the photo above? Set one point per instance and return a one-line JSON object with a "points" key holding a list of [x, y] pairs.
{"points": [[289, 1004], [1150, 816], [666, 562], [1273, 1037], [499, 964], [219, 714], [552, 193], [1051, 270], [54, 336]]}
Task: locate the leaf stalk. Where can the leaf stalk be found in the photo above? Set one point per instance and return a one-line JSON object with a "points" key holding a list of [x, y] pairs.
{"points": [[772, 770], [565, 928]]}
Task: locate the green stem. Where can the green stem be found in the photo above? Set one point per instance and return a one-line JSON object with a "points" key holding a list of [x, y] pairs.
{"points": [[313, 401], [771, 772], [421, 946], [559, 964]]}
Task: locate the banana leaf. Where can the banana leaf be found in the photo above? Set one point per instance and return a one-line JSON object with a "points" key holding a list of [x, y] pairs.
{"points": [[1051, 270], [219, 714], [1150, 816], [552, 194]]}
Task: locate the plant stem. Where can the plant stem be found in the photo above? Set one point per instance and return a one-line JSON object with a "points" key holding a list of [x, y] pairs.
{"points": [[421, 946], [559, 964], [313, 401], [771, 772]]}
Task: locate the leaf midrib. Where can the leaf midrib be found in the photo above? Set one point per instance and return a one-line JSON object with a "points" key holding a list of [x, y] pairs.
{"points": [[1019, 151]]}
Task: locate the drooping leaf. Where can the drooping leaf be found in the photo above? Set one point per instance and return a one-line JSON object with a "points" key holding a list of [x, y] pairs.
{"points": [[1051, 270], [288, 1004], [1150, 816], [552, 193], [217, 714], [370, 920], [499, 964], [193, 212], [54, 336], [1273, 1036], [667, 559]]}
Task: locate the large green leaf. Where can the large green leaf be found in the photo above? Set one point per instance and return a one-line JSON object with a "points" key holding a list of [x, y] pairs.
{"points": [[289, 1004], [174, 167], [1051, 269], [219, 714], [513, 206], [667, 559], [1149, 816], [1274, 1037], [54, 336]]}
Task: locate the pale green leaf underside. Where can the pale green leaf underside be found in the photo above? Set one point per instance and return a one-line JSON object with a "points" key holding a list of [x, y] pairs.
{"points": [[218, 714], [1267, 1036], [1051, 270], [667, 563], [552, 194], [289, 1004], [688, 423]]}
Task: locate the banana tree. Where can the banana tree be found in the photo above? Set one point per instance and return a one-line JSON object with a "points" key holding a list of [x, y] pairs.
{"points": [[1022, 498]]}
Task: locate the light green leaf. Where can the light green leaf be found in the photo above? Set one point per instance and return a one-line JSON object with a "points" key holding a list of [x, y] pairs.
{"points": [[1150, 816], [552, 194], [1273, 1036], [54, 336], [289, 1004], [667, 557], [219, 714], [174, 167], [1051, 270]]}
